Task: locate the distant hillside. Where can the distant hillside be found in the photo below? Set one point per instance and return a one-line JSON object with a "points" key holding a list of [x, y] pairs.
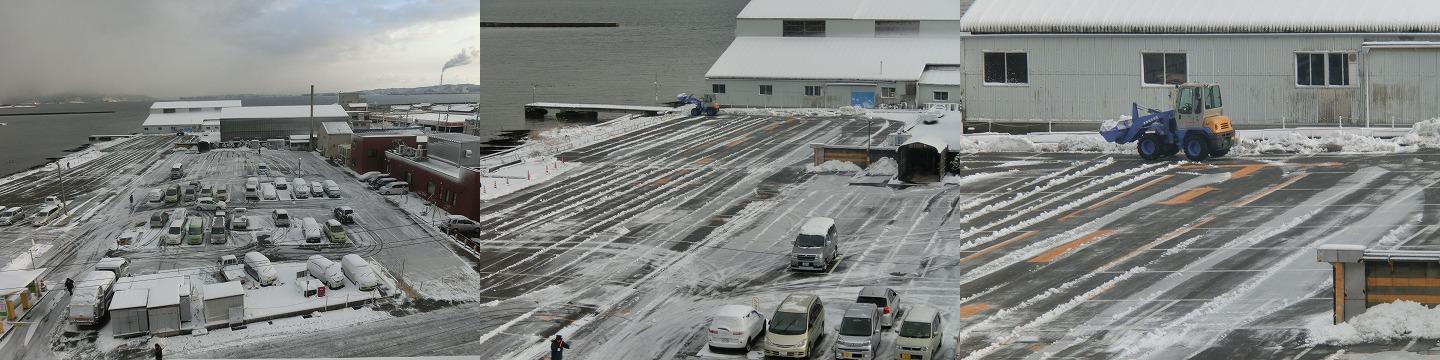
{"points": [[425, 90]]}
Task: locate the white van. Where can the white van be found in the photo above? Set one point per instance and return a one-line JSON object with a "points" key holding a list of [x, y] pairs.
{"points": [[921, 334], [42, 217], [155, 196], [118, 265], [176, 171], [395, 188], [332, 189], [174, 232], [259, 267], [10, 215], [311, 229], [358, 270], [326, 271]]}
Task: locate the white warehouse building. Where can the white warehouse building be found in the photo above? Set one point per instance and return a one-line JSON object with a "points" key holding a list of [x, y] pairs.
{"points": [[1311, 62], [170, 117], [833, 53]]}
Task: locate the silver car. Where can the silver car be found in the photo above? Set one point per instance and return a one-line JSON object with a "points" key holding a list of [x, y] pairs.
{"points": [[858, 335], [816, 248], [884, 298]]}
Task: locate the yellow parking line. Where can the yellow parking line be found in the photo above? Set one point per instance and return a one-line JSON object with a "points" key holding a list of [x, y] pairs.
{"points": [[1051, 255], [1249, 199], [1186, 197], [987, 250]]}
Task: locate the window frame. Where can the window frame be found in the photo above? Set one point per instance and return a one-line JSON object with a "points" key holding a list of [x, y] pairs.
{"points": [[893, 92], [1350, 74], [1164, 70], [767, 90], [804, 26], [1006, 61], [934, 95], [819, 90], [717, 88], [889, 31]]}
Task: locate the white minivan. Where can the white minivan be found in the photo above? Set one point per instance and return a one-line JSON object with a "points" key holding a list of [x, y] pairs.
{"points": [[10, 215], [332, 189], [300, 189], [311, 229], [921, 334], [42, 217]]}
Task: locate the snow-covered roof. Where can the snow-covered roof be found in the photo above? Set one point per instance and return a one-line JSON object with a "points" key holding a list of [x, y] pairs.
{"points": [[164, 293], [941, 75], [109, 263], [299, 138], [194, 104], [180, 118], [14, 281], [336, 127], [833, 58], [96, 278], [457, 137], [129, 299], [1217, 16], [225, 289], [852, 9], [283, 112], [817, 226], [939, 145], [358, 105], [210, 122]]}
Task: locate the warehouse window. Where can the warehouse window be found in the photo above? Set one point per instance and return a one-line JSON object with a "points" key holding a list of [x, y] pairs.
{"points": [[812, 91], [1006, 68], [1323, 69], [897, 28], [887, 92], [1163, 68], [717, 88], [942, 96], [767, 90], [168, 111], [802, 28]]}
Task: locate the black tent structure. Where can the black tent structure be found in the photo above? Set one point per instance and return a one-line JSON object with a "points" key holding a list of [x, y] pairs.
{"points": [[922, 160]]}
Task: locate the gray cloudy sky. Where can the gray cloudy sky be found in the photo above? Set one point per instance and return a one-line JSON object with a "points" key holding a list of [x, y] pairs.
{"points": [[168, 48]]}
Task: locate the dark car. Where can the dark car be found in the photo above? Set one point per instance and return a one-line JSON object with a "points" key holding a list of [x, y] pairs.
{"points": [[345, 215]]}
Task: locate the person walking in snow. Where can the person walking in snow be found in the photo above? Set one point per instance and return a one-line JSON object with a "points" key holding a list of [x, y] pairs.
{"points": [[557, 348], [159, 355], [70, 286]]}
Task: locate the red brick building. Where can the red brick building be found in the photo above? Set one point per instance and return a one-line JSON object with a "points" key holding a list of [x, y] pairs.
{"points": [[456, 189], [367, 151]]}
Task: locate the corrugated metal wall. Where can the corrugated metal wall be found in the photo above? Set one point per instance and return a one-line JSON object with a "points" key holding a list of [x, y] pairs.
{"points": [[1091, 78], [1405, 84], [791, 93]]}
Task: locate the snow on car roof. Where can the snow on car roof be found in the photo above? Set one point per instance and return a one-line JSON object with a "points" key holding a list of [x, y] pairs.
{"points": [[796, 303], [109, 263], [96, 278], [919, 313], [225, 289], [817, 226], [129, 299], [733, 311]]}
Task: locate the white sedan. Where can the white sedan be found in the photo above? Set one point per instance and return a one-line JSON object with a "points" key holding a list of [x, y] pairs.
{"points": [[209, 204], [735, 327]]}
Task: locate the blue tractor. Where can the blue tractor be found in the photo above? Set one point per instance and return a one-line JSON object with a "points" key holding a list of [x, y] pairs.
{"points": [[701, 107], [1197, 125]]}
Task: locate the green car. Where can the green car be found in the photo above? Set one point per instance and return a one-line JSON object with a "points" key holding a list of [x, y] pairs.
{"points": [[194, 230]]}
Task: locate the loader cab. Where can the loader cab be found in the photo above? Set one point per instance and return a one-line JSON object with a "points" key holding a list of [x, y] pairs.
{"points": [[1200, 106]]}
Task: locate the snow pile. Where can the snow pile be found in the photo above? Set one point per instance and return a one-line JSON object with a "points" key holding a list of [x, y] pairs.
{"points": [[834, 166], [562, 139], [1424, 134], [1002, 143], [510, 179], [1112, 124], [1383, 323], [1295, 143], [884, 166]]}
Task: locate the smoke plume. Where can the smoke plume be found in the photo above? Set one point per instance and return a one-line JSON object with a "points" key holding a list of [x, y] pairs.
{"points": [[465, 57]]}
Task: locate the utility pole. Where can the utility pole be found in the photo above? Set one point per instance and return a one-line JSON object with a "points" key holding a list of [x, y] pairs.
{"points": [[867, 141], [312, 120], [656, 86]]}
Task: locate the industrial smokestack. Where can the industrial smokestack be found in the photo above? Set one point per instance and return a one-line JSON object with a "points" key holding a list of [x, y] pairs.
{"points": [[466, 56]]}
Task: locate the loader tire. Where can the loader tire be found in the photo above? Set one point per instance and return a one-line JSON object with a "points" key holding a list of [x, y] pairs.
{"points": [[1196, 147], [1149, 147]]}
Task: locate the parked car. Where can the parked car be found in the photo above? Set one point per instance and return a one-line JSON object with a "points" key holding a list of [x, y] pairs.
{"points": [[311, 229], [209, 204], [281, 183], [172, 194], [218, 232], [240, 219], [395, 188], [883, 297], [44, 215], [117, 265], [260, 268], [367, 176], [252, 192], [332, 190], [345, 214], [155, 196], [334, 231], [317, 190], [262, 169], [174, 232], [280, 217], [253, 181], [194, 230], [221, 193], [735, 327], [796, 328], [921, 334], [189, 193], [815, 248], [328, 272], [207, 190], [158, 219], [459, 223], [358, 271], [300, 189], [10, 215], [381, 182], [858, 334], [267, 192]]}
